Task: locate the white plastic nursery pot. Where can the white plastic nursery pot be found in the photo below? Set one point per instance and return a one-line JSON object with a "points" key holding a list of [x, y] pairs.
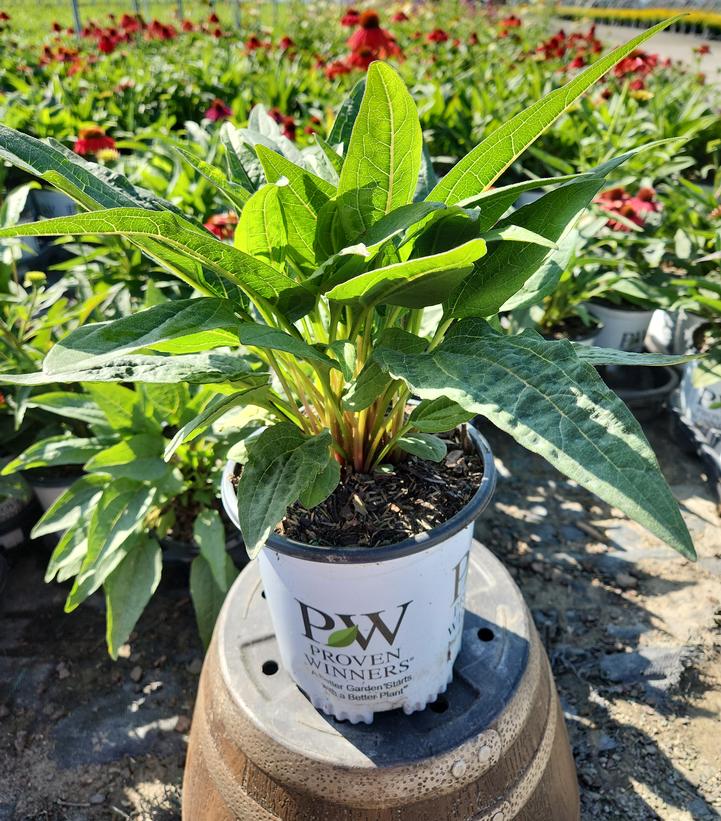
{"points": [[48, 489], [362, 630], [701, 405], [623, 329]]}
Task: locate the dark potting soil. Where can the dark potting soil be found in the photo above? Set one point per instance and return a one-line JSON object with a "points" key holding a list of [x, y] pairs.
{"points": [[572, 327], [385, 508]]}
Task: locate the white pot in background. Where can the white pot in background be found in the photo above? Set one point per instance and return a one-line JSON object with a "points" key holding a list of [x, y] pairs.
{"points": [[697, 403], [622, 329], [363, 630], [659, 336], [48, 490]]}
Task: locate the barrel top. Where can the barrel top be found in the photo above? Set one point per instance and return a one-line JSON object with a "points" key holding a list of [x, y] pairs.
{"points": [[487, 674]]}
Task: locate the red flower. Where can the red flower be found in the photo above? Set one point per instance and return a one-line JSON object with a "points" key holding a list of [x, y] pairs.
{"points": [[370, 35], [287, 122], [637, 85], [285, 43], [130, 23], [511, 22], [160, 31], [637, 62], [361, 58], [473, 39], [91, 140], [253, 43], [107, 44], [336, 69], [4, 17], [217, 110], [57, 27], [187, 25], [217, 32], [350, 19], [214, 18], [437, 36], [577, 62], [400, 17], [702, 49], [222, 225], [619, 201]]}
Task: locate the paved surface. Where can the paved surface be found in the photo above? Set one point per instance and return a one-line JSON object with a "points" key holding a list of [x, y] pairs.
{"points": [[679, 47]]}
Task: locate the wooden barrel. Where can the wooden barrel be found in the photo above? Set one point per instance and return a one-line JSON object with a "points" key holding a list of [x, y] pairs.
{"points": [[493, 747]]}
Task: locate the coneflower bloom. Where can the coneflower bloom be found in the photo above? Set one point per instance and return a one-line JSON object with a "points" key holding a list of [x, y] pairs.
{"points": [[370, 35], [253, 43], [287, 122], [336, 69], [437, 36], [286, 43], [400, 17], [222, 225], [92, 140], [350, 19], [217, 110]]}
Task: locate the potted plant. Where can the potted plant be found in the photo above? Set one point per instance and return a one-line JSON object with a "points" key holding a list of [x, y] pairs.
{"points": [[327, 287], [131, 503]]}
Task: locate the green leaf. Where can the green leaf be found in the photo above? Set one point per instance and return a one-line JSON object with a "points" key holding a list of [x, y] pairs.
{"points": [[488, 160], [70, 406], [199, 368], [346, 117], [333, 157], [105, 341], [233, 158], [253, 276], [261, 231], [236, 194], [214, 410], [128, 589], [323, 485], [120, 405], [344, 637], [137, 457], [373, 380], [301, 199], [73, 506], [414, 283], [611, 356], [115, 527], [209, 535], [381, 165], [67, 557], [438, 415], [207, 597], [55, 450], [263, 336], [554, 404], [516, 233], [423, 445], [508, 265], [282, 463]]}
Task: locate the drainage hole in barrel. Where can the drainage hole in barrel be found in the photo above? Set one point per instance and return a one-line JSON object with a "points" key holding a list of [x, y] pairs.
{"points": [[270, 668], [440, 705], [486, 634], [262, 594]]}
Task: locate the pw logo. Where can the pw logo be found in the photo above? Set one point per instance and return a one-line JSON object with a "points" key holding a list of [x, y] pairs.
{"points": [[316, 622]]}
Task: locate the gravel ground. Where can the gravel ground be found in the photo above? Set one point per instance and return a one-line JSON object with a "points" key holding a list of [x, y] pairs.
{"points": [[632, 631]]}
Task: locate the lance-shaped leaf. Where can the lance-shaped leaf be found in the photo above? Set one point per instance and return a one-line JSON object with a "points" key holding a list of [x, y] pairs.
{"points": [[263, 336], [128, 589], [261, 231], [216, 409], [197, 369], [488, 160], [611, 356], [67, 557], [323, 485], [115, 527], [346, 117], [301, 199], [509, 265], [282, 463], [234, 159], [70, 406], [423, 445], [381, 165], [73, 505], [252, 276], [414, 283], [554, 404], [104, 341], [335, 159], [236, 195], [438, 415], [55, 450], [135, 457]]}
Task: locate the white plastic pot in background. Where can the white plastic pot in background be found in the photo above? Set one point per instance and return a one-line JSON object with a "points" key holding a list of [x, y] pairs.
{"points": [[701, 405], [363, 630], [659, 336], [49, 490], [622, 329]]}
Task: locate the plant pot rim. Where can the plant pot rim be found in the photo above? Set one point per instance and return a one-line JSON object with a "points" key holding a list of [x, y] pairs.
{"points": [[625, 308], [357, 554], [41, 479], [649, 394]]}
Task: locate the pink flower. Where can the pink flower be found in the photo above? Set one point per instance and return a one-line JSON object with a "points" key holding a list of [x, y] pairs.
{"points": [[217, 110]]}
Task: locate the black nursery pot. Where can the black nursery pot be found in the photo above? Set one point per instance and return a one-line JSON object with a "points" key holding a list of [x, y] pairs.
{"points": [[644, 389]]}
